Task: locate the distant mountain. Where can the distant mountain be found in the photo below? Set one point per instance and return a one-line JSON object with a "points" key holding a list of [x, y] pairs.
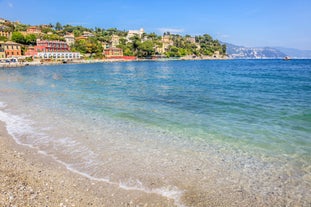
{"points": [[240, 52], [295, 53]]}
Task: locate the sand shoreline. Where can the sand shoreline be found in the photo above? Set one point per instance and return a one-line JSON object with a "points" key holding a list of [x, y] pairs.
{"points": [[31, 179], [38, 63]]}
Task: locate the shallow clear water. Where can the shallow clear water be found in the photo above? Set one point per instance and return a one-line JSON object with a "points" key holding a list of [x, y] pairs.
{"points": [[129, 123]]}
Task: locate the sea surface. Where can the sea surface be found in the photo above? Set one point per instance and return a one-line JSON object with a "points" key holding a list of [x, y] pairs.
{"points": [[233, 130]]}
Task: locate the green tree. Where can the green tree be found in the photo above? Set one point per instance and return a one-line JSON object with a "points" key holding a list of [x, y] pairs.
{"points": [[47, 30], [77, 33], [30, 39], [146, 49], [18, 37], [4, 39], [135, 42], [173, 52], [52, 37], [90, 46], [20, 27], [79, 46], [58, 26]]}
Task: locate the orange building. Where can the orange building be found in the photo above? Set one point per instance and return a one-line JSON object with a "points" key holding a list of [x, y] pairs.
{"points": [[11, 49], [31, 51], [113, 52], [33, 30]]}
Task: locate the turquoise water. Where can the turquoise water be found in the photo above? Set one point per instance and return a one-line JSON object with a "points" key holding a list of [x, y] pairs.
{"points": [[239, 108]]}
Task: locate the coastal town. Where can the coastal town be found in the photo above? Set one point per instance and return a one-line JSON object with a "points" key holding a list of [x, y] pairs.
{"points": [[22, 44]]}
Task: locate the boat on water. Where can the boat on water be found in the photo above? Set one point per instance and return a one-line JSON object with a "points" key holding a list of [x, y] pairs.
{"points": [[287, 58]]}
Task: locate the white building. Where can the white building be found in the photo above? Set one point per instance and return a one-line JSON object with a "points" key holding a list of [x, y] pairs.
{"points": [[132, 33], [88, 34], [59, 55], [70, 39]]}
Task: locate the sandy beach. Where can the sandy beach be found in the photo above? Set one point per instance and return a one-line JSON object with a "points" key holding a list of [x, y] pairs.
{"points": [[31, 179]]}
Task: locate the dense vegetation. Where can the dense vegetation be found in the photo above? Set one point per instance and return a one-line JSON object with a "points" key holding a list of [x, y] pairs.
{"points": [[140, 46]]}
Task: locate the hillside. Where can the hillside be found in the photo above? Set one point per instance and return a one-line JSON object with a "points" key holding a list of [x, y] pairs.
{"points": [[295, 53], [100, 43], [241, 52]]}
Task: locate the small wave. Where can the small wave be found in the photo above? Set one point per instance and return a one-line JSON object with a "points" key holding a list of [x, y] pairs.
{"points": [[2, 105], [170, 192], [18, 126]]}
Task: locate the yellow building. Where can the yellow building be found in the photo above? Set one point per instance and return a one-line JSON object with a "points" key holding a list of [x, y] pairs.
{"points": [[11, 49], [166, 42], [6, 34], [113, 53], [115, 40]]}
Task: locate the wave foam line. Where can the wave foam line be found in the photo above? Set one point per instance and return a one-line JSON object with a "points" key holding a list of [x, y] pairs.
{"points": [[18, 126]]}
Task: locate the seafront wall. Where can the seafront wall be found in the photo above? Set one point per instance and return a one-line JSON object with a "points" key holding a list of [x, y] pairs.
{"points": [[12, 65]]}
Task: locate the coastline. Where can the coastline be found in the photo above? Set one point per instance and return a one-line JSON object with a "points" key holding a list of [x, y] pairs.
{"points": [[32, 179], [36, 63]]}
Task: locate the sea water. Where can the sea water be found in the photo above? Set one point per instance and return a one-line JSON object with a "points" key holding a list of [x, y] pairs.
{"points": [[176, 128]]}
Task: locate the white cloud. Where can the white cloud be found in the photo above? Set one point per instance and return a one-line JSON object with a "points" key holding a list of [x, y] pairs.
{"points": [[10, 5], [171, 30]]}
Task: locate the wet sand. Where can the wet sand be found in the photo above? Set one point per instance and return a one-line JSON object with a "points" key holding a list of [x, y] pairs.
{"points": [[28, 178]]}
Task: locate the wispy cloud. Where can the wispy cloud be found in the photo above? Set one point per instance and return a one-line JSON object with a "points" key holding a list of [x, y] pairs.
{"points": [[10, 4], [171, 30]]}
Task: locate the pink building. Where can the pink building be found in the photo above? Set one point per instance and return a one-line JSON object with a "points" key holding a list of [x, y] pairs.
{"points": [[47, 46], [52, 46]]}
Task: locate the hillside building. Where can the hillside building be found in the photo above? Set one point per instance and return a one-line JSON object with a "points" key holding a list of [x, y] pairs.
{"points": [[132, 33], [5, 33], [11, 49], [115, 40], [88, 34], [70, 39], [166, 43], [33, 30], [52, 50], [59, 55], [52, 46], [111, 53]]}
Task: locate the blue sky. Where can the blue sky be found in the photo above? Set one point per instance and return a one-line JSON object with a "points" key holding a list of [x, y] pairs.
{"points": [[252, 23]]}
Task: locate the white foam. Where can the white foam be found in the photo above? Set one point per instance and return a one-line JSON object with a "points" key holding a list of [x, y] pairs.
{"points": [[170, 192], [18, 126], [2, 105]]}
